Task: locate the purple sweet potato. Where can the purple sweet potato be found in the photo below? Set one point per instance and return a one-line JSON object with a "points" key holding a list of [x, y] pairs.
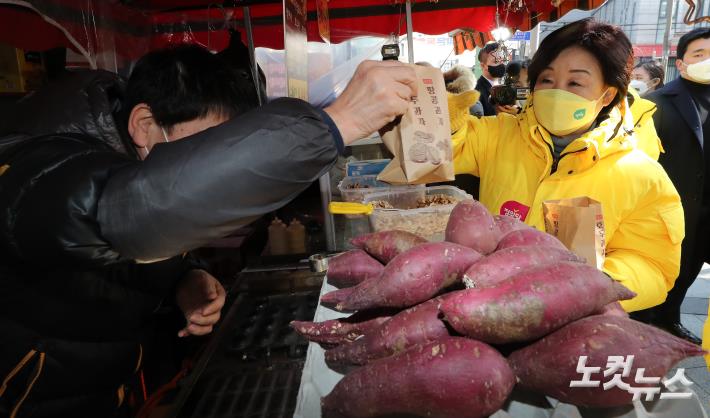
{"points": [[386, 245], [417, 325], [508, 224], [529, 237], [531, 304], [352, 267], [549, 365], [410, 278], [613, 309], [471, 225], [510, 261], [452, 377], [344, 330], [332, 299]]}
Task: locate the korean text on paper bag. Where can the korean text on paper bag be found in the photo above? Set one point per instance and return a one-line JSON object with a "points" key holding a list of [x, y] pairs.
{"points": [[421, 139], [579, 223]]}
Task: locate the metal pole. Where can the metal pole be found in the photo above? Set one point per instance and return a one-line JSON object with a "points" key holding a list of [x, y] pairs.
{"points": [[667, 35], [410, 40], [250, 41], [325, 197]]}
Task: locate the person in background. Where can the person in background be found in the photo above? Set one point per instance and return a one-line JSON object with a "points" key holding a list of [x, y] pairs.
{"points": [[493, 69], [105, 185], [523, 80], [641, 119], [683, 123], [647, 77], [570, 141]]}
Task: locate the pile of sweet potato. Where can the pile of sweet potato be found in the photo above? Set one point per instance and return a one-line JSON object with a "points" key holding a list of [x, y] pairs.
{"points": [[432, 318]]}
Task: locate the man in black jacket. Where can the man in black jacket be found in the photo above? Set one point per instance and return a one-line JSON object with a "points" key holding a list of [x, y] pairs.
{"points": [[101, 195], [493, 69], [682, 123]]}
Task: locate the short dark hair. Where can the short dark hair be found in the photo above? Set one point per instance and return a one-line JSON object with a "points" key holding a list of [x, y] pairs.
{"points": [[513, 68], [607, 43], [489, 47], [654, 70], [685, 40], [184, 83]]}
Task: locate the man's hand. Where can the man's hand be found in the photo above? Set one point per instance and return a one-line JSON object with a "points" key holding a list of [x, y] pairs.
{"points": [[200, 297], [511, 109], [378, 93]]}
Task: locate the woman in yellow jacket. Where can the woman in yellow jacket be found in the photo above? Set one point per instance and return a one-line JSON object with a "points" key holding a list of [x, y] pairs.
{"points": [[572, 141]]}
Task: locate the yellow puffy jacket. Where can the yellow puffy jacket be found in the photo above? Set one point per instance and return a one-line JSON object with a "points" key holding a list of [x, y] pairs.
{"points": [[643, 215], [641, 115]]}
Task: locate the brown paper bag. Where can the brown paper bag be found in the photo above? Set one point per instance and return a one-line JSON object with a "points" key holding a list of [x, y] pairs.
{"points": [[579, 224], [421, 139]]}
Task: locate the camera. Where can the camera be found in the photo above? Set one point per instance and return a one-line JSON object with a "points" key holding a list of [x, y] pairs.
{"points": [[508, 93], [390, 52]]}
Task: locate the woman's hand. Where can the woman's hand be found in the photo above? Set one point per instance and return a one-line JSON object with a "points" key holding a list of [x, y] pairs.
{"points": [[200, 297]]}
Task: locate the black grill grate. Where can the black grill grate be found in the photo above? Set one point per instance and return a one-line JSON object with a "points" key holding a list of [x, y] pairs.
{"points": [[255, 369], [251, 393]]}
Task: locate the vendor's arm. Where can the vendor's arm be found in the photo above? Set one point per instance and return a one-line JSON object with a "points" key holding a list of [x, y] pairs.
{"points": [[644, 253], [71, 200], [192, 191]]}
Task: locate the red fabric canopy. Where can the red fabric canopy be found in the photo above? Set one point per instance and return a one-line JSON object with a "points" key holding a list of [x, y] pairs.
{"points": [[113, 31]]}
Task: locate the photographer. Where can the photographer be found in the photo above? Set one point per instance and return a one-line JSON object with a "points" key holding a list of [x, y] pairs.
{"points": [[493, 69], [511, 95]]}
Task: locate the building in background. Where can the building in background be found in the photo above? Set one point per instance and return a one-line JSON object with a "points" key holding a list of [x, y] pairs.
{"points": [[644, 22]]}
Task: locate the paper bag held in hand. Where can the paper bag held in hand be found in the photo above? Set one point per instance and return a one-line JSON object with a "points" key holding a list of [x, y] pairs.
{"points": [[579, 223], [420, 140]]}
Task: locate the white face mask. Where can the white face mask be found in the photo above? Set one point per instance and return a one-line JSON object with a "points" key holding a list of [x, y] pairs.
{"points": [[639, 85], [165, 134], [699, 71]]}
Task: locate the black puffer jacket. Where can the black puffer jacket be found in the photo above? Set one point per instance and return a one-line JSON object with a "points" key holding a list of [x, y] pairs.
{"points": [[78, 210]]}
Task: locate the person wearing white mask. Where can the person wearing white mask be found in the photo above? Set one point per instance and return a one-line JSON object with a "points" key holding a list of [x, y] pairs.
{"points": [[647, 77], [106, 184], [682, 123], [572, 140]]}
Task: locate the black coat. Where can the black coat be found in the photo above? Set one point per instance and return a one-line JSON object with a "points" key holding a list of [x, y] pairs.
{"points": [[678, 125], [484, 87], [78, 209]]}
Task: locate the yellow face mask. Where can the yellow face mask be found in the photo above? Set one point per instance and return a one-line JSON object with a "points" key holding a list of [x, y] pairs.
{"points": [[561, 112]]}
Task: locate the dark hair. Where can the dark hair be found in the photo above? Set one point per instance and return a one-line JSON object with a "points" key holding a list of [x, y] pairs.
{"points": [[654, 71], [607, 43], [513, 68], [685, 40], [489, 47], [184, 83]]}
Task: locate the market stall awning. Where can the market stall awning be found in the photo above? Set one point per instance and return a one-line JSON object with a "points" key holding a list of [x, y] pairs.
{"points": [[120, 31]]}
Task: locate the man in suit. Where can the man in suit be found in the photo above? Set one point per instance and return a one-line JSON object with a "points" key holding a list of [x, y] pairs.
{"points": [[493, 69], [683, 124]]}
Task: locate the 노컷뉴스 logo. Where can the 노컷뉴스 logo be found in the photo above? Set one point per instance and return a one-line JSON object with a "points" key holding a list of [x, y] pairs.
{"points": [[579, 114], [619, 367]]}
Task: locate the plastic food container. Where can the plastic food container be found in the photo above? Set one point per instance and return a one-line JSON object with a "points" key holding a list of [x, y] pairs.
{"points": [[366, 167], [427, 222], [354, 189]]}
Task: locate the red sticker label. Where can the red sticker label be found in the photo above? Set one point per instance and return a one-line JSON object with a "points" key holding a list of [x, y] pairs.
{"points": [[515, 210], [428, 81]]}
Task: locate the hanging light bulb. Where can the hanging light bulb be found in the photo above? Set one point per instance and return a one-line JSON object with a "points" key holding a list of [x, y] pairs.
{"points": [[501, 33]]}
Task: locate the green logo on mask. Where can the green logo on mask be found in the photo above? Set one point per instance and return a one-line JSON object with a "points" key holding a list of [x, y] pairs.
{"points": [[579, 114]]}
